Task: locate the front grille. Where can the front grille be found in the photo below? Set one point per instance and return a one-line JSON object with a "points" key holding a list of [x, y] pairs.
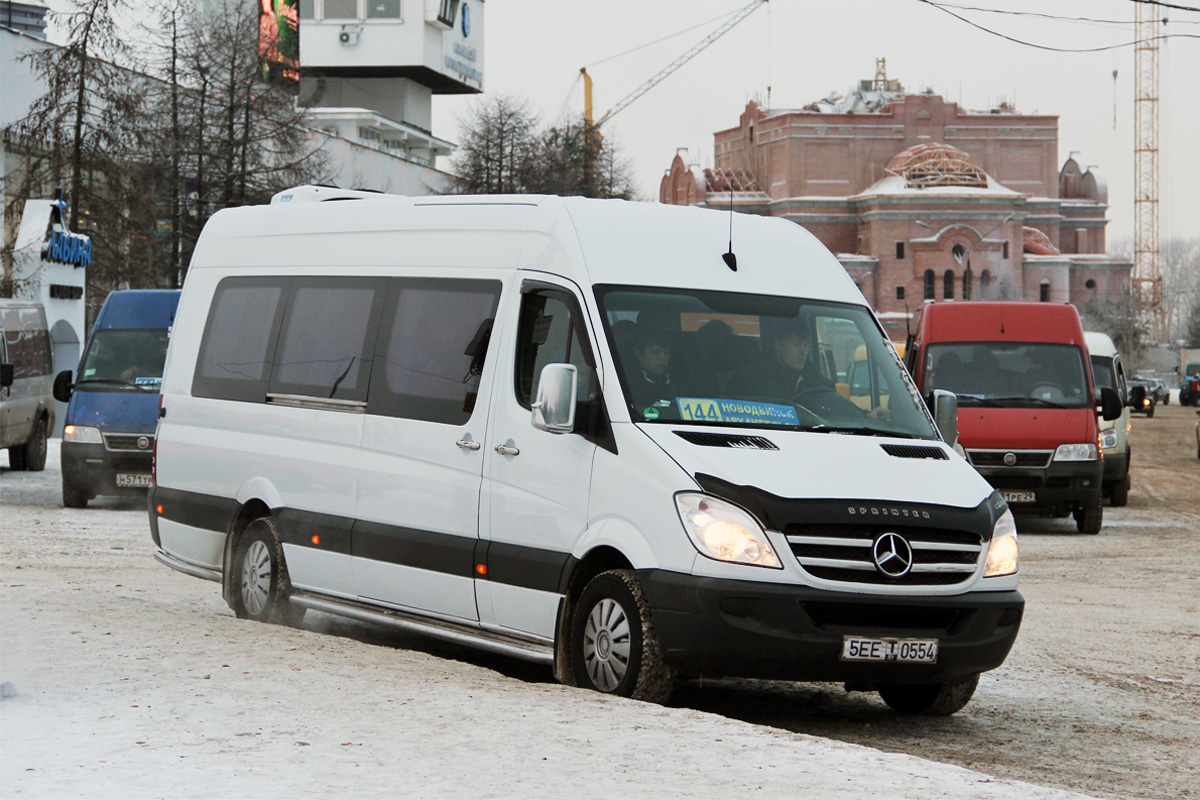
{"points": [[843, 553], [840, 616], [121, 442], [1035, 459], [727, 440]]}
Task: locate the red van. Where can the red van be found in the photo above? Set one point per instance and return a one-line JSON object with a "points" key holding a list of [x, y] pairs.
{"points": [[1026, 407]]}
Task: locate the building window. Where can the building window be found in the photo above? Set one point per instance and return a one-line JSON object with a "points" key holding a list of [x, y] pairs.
{"points": [[1005, 250], [1090, 283], [948, 285], [899, 249], [968, 279], [383, 9], [308, 9], [369, 134], [929, 285], [959, 252], [339, 9], [985, 279], [447, 12], [1045, 293], [899, 292]]}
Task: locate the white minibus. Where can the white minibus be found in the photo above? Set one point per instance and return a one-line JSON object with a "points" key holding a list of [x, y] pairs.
{"points": [[607, 436]]}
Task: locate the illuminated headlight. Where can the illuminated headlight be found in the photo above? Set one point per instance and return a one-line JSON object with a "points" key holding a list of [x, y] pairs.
{"points": [[1076, 452], [724, 532], [1002, 551], [1108, 439], [81, 434]]}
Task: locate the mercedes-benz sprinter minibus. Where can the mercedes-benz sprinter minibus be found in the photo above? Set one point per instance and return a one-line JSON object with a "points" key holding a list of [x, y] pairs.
{"points": [[584, 433]]}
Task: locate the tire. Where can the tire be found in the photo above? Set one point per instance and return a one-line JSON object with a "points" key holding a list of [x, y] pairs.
{"points": [[262, 588], [1150, 411], [1089, 520], [16, 459], [1120, 493], [74, 495], [934, 699], [35, 449], [614, 648]]}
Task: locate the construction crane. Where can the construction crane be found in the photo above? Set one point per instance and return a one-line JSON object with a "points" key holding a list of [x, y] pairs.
{"points": [[1147, 268], [591, 127]]}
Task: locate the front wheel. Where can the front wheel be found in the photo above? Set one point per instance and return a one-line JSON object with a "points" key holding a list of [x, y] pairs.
{"points": [[262, 587], [1119, 495], [34, 451], [74, 495], [1089, 520], [614, 648], [936, 699]]}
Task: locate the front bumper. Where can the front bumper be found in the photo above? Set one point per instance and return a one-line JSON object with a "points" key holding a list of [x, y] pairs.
{"points": [[719, 627], [1116, 467], [94, 468], [1058, 489]]}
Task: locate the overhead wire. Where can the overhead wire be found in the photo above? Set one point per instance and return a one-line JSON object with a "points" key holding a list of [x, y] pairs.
{"points": [[663, 39], [985, 29]]}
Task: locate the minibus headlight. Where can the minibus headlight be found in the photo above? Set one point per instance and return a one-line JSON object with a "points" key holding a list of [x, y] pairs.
{"points": [[1076, 452], [1002, 550], [82, 434], [724, 532], [1108, 439]]}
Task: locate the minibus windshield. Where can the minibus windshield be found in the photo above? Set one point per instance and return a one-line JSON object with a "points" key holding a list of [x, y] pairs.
{"points": [[760, 361], [124, 360], [1008, 374]]}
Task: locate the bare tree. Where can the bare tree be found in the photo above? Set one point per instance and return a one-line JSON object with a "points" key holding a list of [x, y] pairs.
{"points": [[498, 147]]}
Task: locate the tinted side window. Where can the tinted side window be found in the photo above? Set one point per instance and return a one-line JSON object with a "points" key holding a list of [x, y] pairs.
{"points": [[431, 348], [549, 335], [27, 342], [238, 347], [326, 339]]}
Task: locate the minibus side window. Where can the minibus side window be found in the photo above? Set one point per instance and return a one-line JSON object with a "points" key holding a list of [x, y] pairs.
{"points": [[327, 338], [239, 339], [432, 346], [548, 335]]}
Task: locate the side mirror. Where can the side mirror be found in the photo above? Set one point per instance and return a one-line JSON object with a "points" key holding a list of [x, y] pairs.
{"points": [[945, 415], [1137, 397], [6, 375], [1110, 404], [63, 386], [554, 409]]}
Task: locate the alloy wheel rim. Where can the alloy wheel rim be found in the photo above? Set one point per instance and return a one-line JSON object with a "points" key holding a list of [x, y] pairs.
{"points": [[607, 640], [256, 578]]}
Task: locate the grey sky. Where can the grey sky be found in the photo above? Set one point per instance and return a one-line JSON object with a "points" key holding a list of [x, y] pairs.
{"points": [[805, 50]]}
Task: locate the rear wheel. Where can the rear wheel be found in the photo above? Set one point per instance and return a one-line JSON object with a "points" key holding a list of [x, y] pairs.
{"points": [[614, 648], [262, 587], [937, 699], [34, 450], [1150, 411], [1089, 520]]}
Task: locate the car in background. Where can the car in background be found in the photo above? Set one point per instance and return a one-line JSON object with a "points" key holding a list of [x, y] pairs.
{"points": [[26, 364], [1142, 398], [108, 436]]}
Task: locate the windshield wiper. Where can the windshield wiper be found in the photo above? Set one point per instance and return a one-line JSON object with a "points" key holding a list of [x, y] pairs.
{"points": [[966, 399], [1023, 399], [109, 381], [868, 431]]}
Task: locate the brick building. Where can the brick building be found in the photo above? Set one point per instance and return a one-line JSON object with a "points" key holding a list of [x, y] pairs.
{"points": [[921, 200]]}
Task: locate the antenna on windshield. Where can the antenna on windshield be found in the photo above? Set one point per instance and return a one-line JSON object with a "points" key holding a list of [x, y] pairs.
{"points": [[729, 258]]}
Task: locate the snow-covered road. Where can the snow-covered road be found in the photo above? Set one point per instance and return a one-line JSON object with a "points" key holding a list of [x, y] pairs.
{"points": [[134, 681]]}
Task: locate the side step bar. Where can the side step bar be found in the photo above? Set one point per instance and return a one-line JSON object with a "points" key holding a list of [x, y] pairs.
{"points": [[186, 568], [525, 649]]}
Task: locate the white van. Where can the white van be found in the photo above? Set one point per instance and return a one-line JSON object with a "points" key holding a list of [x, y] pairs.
{"points": [[570, 431], [26, 381], [1109, 373]]}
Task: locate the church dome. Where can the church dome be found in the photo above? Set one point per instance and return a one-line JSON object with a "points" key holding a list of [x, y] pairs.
{"points": [[936, 164]]}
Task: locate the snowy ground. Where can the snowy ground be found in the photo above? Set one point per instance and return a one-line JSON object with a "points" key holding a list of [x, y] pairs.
{"points": [[134, 681]]}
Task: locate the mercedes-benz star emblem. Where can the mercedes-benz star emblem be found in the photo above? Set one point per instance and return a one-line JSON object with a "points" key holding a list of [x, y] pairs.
{"points": [[1010, 459], [893, 555]]}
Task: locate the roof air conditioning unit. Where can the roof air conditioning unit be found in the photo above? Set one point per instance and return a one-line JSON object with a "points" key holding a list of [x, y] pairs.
{"points": [[349, 35]]}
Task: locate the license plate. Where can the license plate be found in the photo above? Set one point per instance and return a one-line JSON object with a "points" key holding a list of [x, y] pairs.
{"points": [[909, 651], [1019, 497], [126, 479]]}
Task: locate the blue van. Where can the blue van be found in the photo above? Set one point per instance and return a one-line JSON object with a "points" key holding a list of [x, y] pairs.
{"points": [[108, 434]]}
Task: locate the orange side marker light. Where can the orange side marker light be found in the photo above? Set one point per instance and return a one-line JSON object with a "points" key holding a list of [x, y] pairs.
{"points": [[481, 569], [316, 539]]}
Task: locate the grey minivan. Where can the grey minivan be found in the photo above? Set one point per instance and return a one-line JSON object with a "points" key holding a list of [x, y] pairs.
{"points": [[26, 382]]}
